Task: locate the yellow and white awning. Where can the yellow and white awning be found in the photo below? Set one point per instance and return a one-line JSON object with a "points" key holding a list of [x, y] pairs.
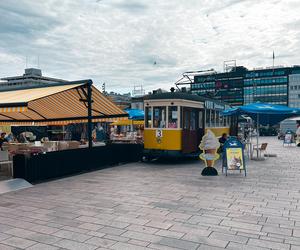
{"points": [[127, 123], [13, 109], [56, 105]]}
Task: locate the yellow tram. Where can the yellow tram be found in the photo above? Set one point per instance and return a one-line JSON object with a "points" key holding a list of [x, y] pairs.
{"points": [[176, 121]]}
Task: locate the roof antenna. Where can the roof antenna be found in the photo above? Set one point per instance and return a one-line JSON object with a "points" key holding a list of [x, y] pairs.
{"points": [[26, 62]]}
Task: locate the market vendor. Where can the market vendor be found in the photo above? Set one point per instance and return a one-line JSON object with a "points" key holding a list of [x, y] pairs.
{"points": [[2, 139]]}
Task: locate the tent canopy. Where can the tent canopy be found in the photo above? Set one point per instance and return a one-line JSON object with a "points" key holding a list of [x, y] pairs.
{"points": [[135, 114], [56, 104], [269, 114]]}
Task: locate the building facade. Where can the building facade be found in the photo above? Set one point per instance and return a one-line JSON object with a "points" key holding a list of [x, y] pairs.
{"points": [[31, 78], [294, 91], [123, 101], [278, 85]]}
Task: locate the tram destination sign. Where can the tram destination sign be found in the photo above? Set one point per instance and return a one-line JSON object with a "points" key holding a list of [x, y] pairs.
{"points": [[214, 105]]}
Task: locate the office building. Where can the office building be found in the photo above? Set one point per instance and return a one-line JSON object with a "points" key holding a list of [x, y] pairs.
{"points": [[227, 86], [31, 78], [240, 86], [294, 91]]}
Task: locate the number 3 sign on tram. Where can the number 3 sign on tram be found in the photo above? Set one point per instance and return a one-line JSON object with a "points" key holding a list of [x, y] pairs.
{"points": [[159, 133]]}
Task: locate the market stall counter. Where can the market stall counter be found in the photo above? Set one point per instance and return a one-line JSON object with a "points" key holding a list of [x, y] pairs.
{"points": [[37, 167]]}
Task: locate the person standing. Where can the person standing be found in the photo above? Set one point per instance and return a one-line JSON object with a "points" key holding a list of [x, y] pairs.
{"points": [[298, 134], [2, 139], [222, 141]]}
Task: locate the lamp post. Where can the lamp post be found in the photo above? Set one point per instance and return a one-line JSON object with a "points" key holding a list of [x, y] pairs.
{"points": [[89, 104]]}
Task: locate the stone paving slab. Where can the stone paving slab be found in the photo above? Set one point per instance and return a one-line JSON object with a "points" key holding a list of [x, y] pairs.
{"points": [[161, 205]]}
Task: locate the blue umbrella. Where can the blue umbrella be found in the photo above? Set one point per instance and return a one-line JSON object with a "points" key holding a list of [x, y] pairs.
{"points": [[271, 113], [264, 113], [135, 114]]}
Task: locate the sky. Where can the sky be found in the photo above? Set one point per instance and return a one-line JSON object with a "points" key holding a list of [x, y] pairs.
{"points": [[144, 42]]}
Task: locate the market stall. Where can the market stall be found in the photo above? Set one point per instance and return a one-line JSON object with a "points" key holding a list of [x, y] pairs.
{"points": [[129, 131], [56, 104]]}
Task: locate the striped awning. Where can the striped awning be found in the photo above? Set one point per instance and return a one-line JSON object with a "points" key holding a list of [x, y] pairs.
{"points": [[127, 123], [13, 109], [56, 105]]}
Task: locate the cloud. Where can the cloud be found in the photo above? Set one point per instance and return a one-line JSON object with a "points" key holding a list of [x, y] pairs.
{"points": [[118, 41], [131, 6]]}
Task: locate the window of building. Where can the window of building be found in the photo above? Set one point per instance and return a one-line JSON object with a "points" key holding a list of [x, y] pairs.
{"points": [[159, 117], [173, 117]]}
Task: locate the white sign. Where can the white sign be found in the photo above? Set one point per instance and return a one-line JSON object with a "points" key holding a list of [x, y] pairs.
{"points": [[159, 133], [174, 114]]}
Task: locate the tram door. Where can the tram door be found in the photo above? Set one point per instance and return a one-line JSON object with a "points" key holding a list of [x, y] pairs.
{"points": [[190, 129]]}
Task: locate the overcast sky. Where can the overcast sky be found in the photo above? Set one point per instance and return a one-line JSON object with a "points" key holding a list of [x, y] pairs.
{"points": [[149, 42]]}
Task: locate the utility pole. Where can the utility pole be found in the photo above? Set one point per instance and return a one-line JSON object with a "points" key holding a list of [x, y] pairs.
{"points": [[103, 88]]}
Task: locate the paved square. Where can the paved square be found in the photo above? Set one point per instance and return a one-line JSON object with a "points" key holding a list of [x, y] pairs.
{"points": [[161, 206]]}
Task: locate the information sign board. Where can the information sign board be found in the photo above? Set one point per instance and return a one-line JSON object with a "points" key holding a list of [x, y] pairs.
{"points": [[233, 155]]}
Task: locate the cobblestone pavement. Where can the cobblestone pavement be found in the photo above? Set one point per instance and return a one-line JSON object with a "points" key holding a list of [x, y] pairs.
{"points": [[160, 206]]}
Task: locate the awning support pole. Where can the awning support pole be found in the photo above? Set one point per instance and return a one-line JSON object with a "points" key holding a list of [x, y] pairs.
{"points": [[89, 100]]}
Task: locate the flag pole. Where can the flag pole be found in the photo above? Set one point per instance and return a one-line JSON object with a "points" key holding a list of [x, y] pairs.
{"points": [[273, 60]]}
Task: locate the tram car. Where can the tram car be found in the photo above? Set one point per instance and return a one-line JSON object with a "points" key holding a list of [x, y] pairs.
{"points": [[176, 121]]}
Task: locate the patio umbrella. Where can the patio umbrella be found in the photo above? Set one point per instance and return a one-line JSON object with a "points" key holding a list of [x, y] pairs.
{"points": [[135, 114], [264, 114]]}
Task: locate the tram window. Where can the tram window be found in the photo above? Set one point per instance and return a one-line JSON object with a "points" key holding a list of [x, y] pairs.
{"points": [[189, 121], [193, 120], [173, 117], [221, 120], [207, 118], [228, 121], [212, 118], [224, 121], [148, 113], [186, 119], [200, 119], [217, 118], [159, 117]]}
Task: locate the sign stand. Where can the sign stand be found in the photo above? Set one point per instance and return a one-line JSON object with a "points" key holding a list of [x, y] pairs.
{"points": [[233, 156], [289, 139]]}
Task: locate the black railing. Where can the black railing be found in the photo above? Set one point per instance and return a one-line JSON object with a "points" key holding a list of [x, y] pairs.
{"points": [[40, 167]]}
